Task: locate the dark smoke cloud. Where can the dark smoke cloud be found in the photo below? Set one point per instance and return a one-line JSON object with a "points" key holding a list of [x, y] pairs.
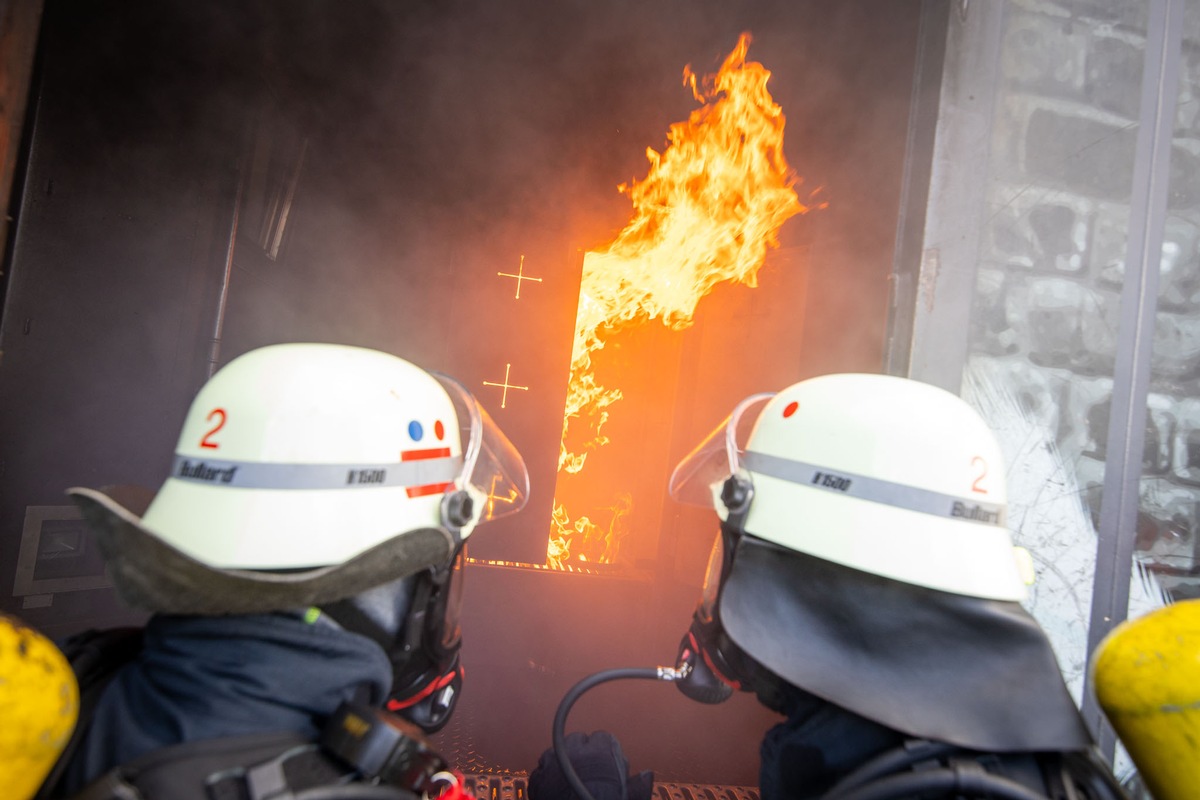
{"points": [[444, 138]]}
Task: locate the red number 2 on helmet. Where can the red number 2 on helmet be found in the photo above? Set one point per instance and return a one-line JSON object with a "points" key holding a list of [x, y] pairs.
{"points": [[982, 467], [206, 440]]}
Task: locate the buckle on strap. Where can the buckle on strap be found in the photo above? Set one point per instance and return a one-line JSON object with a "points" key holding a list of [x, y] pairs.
{"points": [[279, 778]]}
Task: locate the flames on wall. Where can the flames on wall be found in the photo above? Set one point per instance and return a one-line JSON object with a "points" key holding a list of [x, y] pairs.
{"points": [[708, 211]]}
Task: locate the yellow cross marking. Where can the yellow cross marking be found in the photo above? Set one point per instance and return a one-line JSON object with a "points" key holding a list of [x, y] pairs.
{"points": [[506, 385], [520, 276]]}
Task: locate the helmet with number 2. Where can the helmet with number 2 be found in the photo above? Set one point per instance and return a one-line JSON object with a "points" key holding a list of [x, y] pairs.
{"points": [[306, 473], [864, 558], [887, 475]]}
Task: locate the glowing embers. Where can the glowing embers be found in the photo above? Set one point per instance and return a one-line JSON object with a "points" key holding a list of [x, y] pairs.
{"points": [[707, 211], [584, 541]]}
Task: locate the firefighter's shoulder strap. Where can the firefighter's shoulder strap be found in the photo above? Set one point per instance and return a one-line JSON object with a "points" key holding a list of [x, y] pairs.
{"points": [[363, 753], [923, 768], [95, 656], [253, 767]]}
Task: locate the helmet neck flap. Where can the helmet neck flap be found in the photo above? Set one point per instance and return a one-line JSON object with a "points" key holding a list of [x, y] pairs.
{"points": [[974, 672], [863, 558]]}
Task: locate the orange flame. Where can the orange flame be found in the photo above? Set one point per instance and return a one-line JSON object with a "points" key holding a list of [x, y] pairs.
{"points": [[600, 544], [707, 211]]}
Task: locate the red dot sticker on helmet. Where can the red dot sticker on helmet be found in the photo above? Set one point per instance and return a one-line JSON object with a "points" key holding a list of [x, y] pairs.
{"points": [[790, 409], [439, 430]]}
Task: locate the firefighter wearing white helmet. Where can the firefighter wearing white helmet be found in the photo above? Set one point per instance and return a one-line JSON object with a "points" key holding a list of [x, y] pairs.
{"points": [[305, 549], [864, 584]]}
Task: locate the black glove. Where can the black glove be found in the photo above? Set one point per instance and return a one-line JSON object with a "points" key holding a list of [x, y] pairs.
{"points": [[601, 766]]}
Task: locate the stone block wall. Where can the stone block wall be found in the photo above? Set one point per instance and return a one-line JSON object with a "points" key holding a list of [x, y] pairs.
{"points": [[1052, 257]]}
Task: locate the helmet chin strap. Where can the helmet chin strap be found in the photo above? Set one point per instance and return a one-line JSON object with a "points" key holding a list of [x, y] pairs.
{"points": [[427, 676]]}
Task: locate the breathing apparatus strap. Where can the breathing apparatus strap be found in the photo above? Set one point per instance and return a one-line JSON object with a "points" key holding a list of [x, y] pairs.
{"points": [[451, 677], [411, 638], [351, 618], [95, 657], [427, 676], [383, 747], [363, 753], [417, 663], [922, 767]]}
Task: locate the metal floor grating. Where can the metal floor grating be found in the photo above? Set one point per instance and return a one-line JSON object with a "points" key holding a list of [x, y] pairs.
{"points": [[512, 787]]}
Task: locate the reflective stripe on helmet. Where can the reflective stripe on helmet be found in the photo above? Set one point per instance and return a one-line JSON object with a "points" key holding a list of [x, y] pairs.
{"points": [[861, 487], [260, 475]]}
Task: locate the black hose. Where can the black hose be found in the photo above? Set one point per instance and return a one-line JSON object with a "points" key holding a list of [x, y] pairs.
{"points": [[940, 782], [558, 733], [891, 761]]}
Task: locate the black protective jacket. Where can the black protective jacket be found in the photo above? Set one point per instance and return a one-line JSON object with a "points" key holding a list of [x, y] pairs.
{"points": [[199, 678], [824, 751], [818, 743]]}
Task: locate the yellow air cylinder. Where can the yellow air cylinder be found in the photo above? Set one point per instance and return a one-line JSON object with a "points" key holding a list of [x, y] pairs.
{"points": [[39, 702], [1146, 674]]}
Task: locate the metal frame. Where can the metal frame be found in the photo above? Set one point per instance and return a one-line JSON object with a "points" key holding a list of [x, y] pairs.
{"points": [[24, 582], [914, 189], [1131, 371], [937, 258], [936, 265]]}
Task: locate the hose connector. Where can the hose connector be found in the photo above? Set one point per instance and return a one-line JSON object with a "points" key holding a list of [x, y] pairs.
{"points": [[674, 673]]}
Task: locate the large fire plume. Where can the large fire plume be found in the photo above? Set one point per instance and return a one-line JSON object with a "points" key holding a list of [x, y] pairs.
{"points": [[708, 210]]}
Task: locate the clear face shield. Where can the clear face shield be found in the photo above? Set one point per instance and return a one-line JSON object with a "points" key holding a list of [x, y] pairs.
{"points": [[493, 483], [712, 476], [493, 473], [700, 477]]}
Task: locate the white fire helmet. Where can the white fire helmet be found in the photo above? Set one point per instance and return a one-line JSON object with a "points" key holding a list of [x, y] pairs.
{"points": [[886, 475], [299, 458]]}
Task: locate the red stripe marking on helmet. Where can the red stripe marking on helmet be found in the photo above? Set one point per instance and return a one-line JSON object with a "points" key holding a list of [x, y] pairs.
{"points": [[429, 488], [421, 455]]}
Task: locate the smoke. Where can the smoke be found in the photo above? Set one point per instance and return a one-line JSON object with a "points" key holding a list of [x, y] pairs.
{"points": [[445, 140]]}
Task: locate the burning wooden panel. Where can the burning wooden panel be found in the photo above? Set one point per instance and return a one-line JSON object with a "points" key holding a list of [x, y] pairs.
{"points": [[708, 211], [547, 333]]}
